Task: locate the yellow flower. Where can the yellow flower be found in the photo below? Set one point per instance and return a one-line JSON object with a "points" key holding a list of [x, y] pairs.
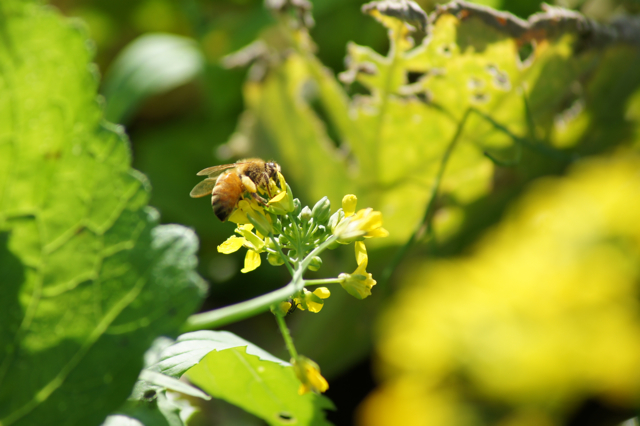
{"points": [[366, 223], [309, 375], [282, 201], [312, 301], [254, 243], [359, 283]]}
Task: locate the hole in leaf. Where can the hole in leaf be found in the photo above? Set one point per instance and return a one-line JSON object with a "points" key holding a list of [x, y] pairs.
{"points": [[480, 98], [475, 83], [414, 77], [525, 53], [286, 417], [500, 78], [445, 50]]}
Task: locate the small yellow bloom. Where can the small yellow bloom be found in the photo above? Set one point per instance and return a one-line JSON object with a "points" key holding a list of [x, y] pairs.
{"points": [[349, 203], [359, 283], [312, 301], [365, 223], [309, 375]]}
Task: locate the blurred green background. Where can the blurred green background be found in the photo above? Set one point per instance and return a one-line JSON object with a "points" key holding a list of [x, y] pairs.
{"points": [[180, 105]]}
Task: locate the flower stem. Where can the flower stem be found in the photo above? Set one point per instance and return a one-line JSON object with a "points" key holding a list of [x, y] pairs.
{"points": [[286, 259], [323, 281], [286, 335], [233, 313]]}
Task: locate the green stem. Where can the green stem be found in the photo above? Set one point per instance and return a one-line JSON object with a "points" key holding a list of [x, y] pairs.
{"points": [[286, 259], [286, 335], [323, 281]]}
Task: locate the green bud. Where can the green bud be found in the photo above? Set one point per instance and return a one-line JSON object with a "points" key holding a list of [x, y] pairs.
{"points": [[282, 240], [305, 214], [296, 207], [292, 254], [321, 210], [315, 263], [275, 259]]}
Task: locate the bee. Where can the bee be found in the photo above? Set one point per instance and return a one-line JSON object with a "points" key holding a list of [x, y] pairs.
{"points": [[226, 184]]}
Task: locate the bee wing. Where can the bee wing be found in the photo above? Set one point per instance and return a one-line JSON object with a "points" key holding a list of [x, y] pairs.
{"points": [[204, 188], [215, 170]]}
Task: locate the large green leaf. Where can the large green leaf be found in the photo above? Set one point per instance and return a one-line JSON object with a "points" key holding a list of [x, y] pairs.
{"points": [[231, 368], [468, 76], [88, 278]]}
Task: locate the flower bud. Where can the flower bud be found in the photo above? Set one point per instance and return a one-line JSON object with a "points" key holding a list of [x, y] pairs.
{"points": [[275, 259], [305, 214], [260, 222], [296, 206], [321, 210], [315, 263], [349, 203]]}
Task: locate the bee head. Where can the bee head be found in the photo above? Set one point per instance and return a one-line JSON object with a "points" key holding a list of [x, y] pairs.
{"points": [[272, 169]]}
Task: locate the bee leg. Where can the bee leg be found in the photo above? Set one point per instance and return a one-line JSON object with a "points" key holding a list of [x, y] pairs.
{"points": [[258, 198], [265, 176]]}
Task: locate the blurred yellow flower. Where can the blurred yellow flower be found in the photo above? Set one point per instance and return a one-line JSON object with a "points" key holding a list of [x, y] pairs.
{"points": [[309, 375], [542, 316]]}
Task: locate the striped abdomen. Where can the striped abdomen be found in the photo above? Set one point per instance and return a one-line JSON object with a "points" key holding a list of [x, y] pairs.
{"points": [[226, 194]]}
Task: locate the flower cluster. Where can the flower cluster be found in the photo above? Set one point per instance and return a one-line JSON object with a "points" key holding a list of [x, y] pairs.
{"points": [[295, 236]]}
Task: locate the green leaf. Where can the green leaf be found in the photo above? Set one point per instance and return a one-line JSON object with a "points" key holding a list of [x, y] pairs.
{"points": [[190, 348], [149, 65], [89, 279], [168, 382], [230, 368]]}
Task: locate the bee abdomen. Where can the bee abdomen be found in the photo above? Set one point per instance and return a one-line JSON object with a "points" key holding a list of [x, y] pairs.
{"points": [[226, 194]]}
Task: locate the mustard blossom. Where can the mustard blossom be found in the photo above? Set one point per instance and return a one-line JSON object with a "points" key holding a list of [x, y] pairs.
{"points": [[312, 301], [359, 283], [309, 375]]}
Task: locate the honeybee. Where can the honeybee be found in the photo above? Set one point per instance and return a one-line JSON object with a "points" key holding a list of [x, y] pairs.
{"points": [[226, 184]]}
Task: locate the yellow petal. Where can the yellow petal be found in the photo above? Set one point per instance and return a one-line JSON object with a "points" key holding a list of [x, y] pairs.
{"points": [[251, 261], [322, 292], [349, 203], [232, 245], [361, 254], [314, 306], [377, 233]]}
